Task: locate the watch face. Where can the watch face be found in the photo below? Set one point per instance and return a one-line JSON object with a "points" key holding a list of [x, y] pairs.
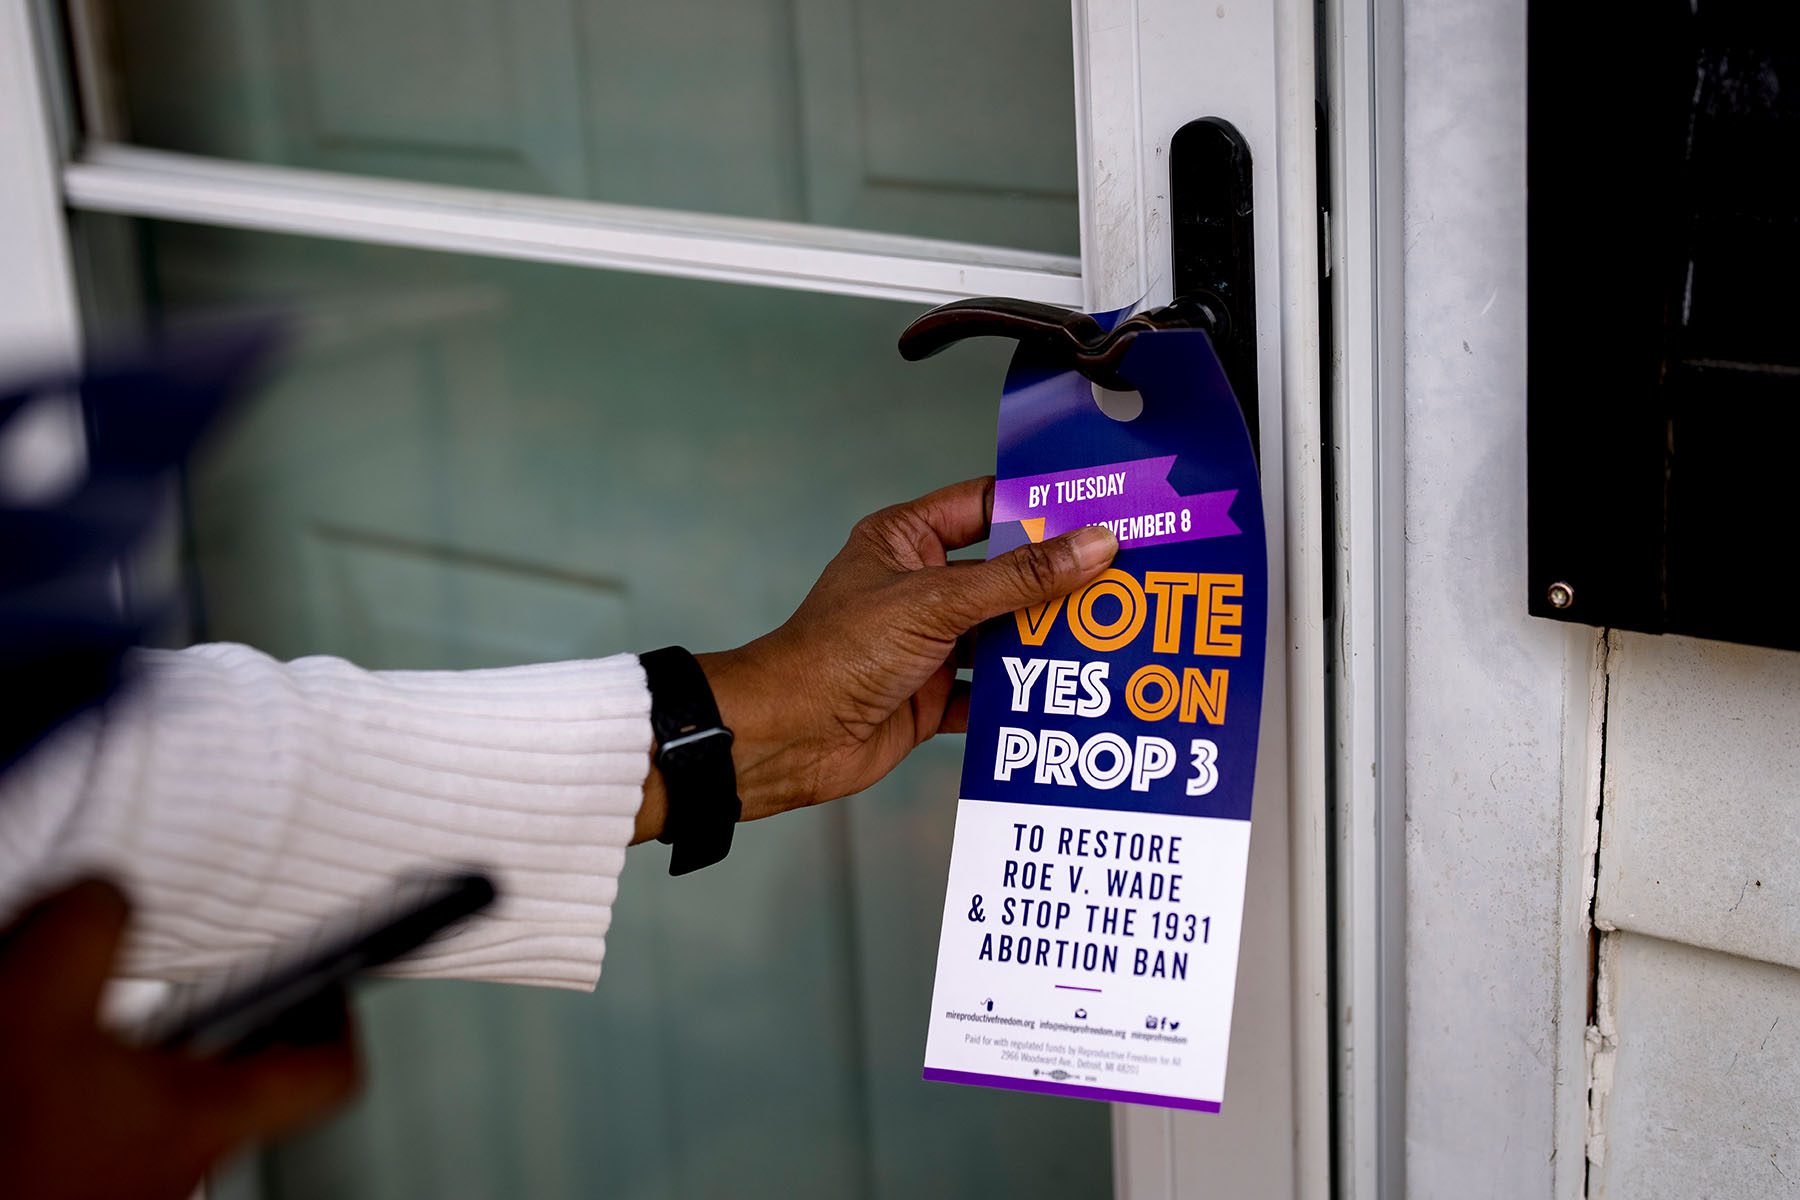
{"points": [[694, 755]]}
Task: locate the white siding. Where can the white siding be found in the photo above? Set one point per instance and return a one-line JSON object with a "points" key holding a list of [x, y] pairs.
{"points": [[1700, 840], [1697, 1094], [1704, 1091]]}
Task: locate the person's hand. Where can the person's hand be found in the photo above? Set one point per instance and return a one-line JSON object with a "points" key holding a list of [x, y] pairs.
{"points": [[865, 670], [84, 1115]]}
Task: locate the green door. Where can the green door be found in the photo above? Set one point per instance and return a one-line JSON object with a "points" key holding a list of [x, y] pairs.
{"points": [[472, 462]]}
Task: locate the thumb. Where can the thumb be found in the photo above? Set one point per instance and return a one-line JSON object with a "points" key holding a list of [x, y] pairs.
{"points": [[1031, 574]]}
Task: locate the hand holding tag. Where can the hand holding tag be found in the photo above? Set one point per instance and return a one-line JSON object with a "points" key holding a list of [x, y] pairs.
{"points": [[865, 670]]}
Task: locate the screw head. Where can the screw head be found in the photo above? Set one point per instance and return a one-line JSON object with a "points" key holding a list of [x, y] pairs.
{"points": [[1561, 595]]}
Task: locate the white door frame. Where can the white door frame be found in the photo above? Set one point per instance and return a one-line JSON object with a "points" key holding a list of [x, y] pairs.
{"points": [[1143, 67], [139, 182], [40, 318], [1363, 52]]}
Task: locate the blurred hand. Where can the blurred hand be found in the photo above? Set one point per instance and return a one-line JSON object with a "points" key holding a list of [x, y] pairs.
{"points": [[865, 670], [82, 1114]]}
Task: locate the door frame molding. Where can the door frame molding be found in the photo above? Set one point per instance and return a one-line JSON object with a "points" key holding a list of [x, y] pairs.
{"points": [[40, 314], [1364, 53], [1143, 67]]}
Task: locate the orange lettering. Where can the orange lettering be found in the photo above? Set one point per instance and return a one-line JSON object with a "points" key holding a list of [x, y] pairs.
{"points": [[1106, 636], [1141, 680], [1220, 613], [1200, 694], [1035, 622], [1170, 588]]}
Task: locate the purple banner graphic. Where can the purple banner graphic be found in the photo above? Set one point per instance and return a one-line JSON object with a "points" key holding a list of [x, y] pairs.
{"points": [[1132, 498]]}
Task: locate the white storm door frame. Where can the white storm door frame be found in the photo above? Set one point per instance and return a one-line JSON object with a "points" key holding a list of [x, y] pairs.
{"points": [[40, 319], [1363, 53], [1143, 68]]}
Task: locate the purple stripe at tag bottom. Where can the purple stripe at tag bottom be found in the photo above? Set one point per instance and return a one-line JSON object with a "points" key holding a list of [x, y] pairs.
{"points": [[1080, 1092]]}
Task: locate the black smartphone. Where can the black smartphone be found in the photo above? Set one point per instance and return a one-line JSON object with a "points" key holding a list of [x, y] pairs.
{"points": [[294, 993]]}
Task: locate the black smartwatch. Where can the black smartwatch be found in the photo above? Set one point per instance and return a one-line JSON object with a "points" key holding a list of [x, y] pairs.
{"points": [[693, 752]]}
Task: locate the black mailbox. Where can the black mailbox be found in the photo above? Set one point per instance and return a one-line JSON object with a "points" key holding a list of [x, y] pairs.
{"points": [[1664, 318]]}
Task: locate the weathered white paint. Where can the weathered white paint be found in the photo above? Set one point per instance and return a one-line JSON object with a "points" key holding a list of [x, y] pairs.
{"points": [[1496, 702], [1585, 1039], [1602, 1055], [1703, 1090], [1701, 839]]}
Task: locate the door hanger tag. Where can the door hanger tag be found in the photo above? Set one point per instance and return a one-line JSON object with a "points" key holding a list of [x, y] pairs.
{"points": [[1089, 944]]}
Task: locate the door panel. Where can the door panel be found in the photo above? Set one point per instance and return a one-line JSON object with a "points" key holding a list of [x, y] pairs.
{"points": [[941, 119], [693, 105], [471, 462], [420, 601], [510, 120]]}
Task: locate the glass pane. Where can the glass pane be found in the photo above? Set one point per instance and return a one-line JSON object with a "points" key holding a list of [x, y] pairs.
{"points": [[942, 118], [472, 462]]}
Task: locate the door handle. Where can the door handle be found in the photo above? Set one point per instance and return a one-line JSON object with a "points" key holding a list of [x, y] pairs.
{"points": [[1063, 334], [1212, 253]]}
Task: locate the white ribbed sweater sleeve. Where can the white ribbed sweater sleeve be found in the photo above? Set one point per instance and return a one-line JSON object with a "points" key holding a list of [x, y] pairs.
{"points": [[241, 800]]}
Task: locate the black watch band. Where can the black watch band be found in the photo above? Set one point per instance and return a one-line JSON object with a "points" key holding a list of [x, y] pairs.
{"points": [[693, 752]]}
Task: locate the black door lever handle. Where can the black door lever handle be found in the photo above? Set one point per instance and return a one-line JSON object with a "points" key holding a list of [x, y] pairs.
{"points": [[1212, 251], [1053, 329], [1063, 334]]}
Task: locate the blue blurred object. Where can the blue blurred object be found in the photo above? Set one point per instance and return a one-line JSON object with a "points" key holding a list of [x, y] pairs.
{"points": [[64, 626]]}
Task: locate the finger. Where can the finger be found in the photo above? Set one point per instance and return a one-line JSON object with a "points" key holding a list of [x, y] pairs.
{"points": [[1031, 574], [958, 515], [929, 702], [65, 945], [272, 1091]]}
